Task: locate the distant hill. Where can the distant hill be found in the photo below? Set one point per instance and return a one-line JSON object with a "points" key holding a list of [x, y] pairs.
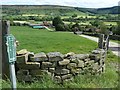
{"points": [[53, 9], [39, 9], [111, 10]]}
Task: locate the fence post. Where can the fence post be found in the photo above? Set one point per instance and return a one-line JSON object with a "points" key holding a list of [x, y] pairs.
{"points": [[5, 64], [107, 42], [0, 50], [100, 42]]}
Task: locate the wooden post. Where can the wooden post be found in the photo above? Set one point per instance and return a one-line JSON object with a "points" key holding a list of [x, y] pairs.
{"points": [[5, 64], [0, 49], [106, 42], [100, 42], [107, 46]]}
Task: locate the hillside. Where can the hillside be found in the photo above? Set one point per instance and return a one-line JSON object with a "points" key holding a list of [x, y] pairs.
{"points": [[39, 9], [55, 10], [111, 10]]}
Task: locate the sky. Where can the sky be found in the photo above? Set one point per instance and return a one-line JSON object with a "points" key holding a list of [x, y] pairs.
{"points": [[74, 3]]}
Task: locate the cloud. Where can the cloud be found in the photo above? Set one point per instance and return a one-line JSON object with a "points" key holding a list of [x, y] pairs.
{"points": [[17, 2], [75, 3], [81, 3]]}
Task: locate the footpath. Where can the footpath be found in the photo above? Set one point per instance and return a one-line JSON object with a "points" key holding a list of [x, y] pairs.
{"points": [[113, 46]]}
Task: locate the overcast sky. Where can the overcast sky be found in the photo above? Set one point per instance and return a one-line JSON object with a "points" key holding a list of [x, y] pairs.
{"points": [[74, 3]]}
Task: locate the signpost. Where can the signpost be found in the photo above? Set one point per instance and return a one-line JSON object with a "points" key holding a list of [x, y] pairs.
{"points": [[11, 50]]}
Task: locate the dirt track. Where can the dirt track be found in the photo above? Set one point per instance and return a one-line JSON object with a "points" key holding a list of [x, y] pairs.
{"points": [[115, 47]]}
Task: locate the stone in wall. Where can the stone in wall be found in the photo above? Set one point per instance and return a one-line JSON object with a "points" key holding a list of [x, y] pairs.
{"points": [[68, 55], [57, 79], [81, 56], [96, 52], [68, 76], [22, 58], [23, 72], [95, 57], [76, 71], [91, 62], [64, 62], [30, 55], [101, 62], [23, 75], [26, 78], [74, 60], [46, 65], [80, 63], [87, 70], [39, 57], [62, 71], [71, 65], [96, 66], [55, 56], [52, 70], [29, 65], [38, 72], [103, 68], [87, 59], [22, 52], [60, 67]]}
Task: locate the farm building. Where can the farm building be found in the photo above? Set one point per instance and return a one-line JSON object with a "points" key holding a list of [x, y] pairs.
{"points": [[37, 26]]}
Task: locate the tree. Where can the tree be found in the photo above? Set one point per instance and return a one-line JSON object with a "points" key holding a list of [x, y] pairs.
{"points": [[74, 15], [60, 27], [117, 31], [103, 29], [57, 20], [95, 23], [76, 27]]}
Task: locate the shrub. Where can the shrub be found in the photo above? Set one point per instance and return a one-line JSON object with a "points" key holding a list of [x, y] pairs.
{"points": [[60, 27], [103, 29], [76, 27], [57, 20]]}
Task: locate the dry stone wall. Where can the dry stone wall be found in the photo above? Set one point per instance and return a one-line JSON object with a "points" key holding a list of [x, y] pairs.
{"points": [[60, 67]]}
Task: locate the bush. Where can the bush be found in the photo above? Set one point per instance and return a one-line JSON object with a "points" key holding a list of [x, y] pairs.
{"points": [[74, 15], [67, 27], [118, 28], [56, 21], [103, 29], [76, 27], [60, 27], [95, 23], [11, 23]]}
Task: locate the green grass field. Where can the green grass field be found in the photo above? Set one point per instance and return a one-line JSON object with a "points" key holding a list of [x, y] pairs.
{"points": [[110, 23], [41, 40]]}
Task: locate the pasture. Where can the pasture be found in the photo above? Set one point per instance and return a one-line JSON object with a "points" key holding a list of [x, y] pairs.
{"points": [[110, 23], [41, 40]]}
